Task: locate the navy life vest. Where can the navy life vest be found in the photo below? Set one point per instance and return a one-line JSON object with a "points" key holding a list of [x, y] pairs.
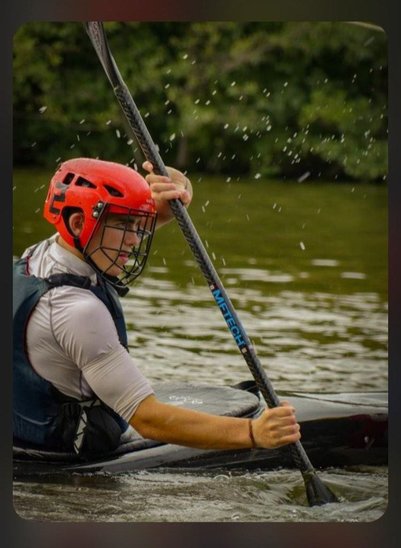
{"points": [[42, 416]]}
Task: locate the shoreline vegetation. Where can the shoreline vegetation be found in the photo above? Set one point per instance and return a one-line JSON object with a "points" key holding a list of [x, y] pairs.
{"points": [[291, 101]]}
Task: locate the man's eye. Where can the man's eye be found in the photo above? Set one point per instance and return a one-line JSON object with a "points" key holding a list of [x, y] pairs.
{"points": [[127, 226]]}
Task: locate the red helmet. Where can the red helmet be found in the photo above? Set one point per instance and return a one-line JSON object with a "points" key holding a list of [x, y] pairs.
{"points": [[89, 184], [97, 188]]}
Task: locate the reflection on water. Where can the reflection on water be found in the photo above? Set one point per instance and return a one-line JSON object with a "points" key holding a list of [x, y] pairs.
{"points": [[318, 341]]}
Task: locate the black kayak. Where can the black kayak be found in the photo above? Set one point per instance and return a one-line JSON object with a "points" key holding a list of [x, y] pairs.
{"points": [[337, 430]]}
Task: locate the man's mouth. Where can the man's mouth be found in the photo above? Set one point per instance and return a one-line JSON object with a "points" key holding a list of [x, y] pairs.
{"points": [[123, 257]]}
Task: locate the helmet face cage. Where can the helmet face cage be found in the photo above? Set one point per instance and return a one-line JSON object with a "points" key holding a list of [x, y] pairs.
{"points": [[123, 224]]}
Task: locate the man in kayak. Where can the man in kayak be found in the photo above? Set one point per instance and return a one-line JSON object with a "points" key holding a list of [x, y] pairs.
{"points": [[76, 388]]}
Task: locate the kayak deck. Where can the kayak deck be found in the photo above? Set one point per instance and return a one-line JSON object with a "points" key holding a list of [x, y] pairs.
{"points": [[337, 430]]}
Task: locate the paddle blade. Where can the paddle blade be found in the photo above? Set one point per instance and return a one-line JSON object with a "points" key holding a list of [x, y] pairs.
{"points": [[318, 493]]}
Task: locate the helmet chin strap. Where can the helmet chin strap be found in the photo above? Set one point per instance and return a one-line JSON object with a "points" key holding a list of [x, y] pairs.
{"points": [[77, 244], [75, 228]]}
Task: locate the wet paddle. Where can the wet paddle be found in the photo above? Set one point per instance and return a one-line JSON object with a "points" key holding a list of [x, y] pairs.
{"points": [[317, 492]]}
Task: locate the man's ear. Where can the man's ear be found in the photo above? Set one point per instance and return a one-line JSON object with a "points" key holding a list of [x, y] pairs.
{"points": [[76, 223]]}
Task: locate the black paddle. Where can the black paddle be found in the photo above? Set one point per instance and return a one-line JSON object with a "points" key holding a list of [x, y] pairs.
{"points": [[317, 492]]}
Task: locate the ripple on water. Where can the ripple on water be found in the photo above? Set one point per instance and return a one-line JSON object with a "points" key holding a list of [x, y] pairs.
{"points": [[321, 340], [216, 497]]}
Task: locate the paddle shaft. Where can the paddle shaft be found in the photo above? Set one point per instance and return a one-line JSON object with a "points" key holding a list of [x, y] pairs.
{"points": [[136, 123]]}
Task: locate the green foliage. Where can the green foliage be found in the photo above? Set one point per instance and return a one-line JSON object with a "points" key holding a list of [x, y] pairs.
{"points": [[234, 98]]}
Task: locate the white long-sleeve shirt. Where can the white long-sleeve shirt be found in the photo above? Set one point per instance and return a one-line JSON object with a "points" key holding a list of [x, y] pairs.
{"points": [[72, 340]]}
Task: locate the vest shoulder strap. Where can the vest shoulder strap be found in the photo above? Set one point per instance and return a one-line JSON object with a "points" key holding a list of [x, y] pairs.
{"points": [[56, 280]]}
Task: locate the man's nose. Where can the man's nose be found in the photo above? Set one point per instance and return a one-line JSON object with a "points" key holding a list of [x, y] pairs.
{"points": [[132, 238]]}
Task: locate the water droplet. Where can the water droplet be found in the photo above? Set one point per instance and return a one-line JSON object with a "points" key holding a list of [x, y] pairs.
{"points": [[302, 246], [42, 109]]}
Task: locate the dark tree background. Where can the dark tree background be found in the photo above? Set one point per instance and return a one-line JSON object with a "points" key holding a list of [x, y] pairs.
{"points": [[288, 100]]}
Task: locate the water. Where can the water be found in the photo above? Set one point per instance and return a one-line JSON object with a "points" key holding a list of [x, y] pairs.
{"points": [[223, 497], [305, 266]]}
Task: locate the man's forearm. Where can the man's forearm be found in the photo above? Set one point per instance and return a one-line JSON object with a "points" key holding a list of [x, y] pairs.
{"points": [[168, 423]]}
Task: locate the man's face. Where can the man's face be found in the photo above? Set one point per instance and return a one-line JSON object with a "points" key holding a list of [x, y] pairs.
{"points": [[115, 239]]}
